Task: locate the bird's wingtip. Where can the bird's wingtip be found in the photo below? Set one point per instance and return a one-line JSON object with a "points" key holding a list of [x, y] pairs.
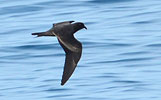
{"points": [[62, 83], [72, 21]]}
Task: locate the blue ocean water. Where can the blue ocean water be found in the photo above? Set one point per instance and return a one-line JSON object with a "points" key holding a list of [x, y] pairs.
{"points": [[121, 50]]}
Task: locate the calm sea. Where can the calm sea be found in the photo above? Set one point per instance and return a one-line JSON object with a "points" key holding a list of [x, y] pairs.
{"points": [[121, 50]]}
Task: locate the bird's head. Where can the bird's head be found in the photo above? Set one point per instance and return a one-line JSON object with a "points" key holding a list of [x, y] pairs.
{"points": [[79, 25]]}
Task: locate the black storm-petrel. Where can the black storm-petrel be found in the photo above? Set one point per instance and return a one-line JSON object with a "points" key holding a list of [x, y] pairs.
{"points": [[64, 31]]}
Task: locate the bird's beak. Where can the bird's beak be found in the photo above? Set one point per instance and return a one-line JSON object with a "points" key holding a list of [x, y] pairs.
{"points": [[85, 27]]}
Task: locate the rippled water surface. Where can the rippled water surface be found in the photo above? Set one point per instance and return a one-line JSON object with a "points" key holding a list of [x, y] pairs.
{"points": [[121, 56]]}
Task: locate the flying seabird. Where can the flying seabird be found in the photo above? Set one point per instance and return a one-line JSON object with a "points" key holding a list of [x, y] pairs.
{"points": [[64, 31]]}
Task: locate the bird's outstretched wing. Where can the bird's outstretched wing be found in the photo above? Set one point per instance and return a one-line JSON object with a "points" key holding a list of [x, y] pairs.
{"points": [[71, 61], [63, 23]]}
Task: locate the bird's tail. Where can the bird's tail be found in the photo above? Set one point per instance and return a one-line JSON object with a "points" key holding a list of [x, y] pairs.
{"points": [[43, 34], [39, 34]]}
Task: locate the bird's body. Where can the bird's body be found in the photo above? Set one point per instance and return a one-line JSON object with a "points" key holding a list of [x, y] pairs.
{"points": [[64, 31]]}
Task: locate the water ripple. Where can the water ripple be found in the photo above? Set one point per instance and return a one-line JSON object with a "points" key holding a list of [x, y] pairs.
{"points": [[108, 1], [19, 9]]}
